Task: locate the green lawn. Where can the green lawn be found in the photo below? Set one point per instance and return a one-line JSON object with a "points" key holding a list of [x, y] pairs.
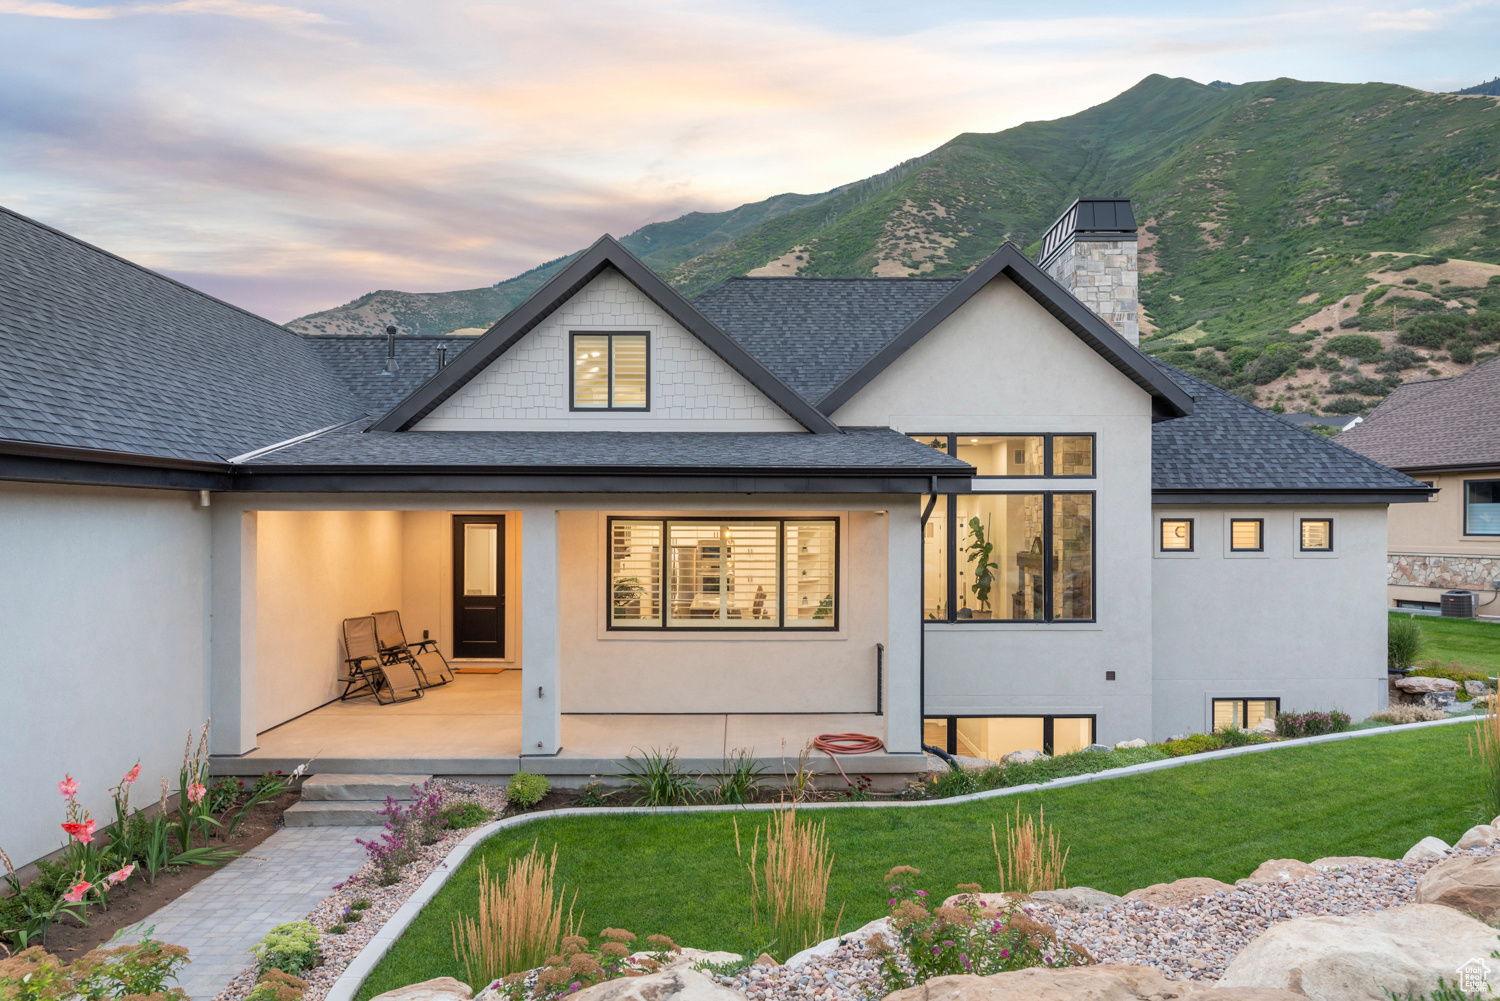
{"points": [[678, 874], [1472, 643]]}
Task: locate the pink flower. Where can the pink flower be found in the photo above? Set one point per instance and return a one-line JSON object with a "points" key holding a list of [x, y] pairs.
{"points": [[120, 875], [195, 792], [77, 890], [68, 787], [84, 832], [133, 774]]}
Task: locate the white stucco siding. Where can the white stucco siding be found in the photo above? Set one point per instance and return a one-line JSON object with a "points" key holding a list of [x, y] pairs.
{"points": [[1003, 365], [105, 593], [692, 388], [1308, 629]]}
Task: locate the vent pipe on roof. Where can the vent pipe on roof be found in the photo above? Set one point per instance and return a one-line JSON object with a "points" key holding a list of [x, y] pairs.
{"points": [[390, 352], [442, 352]]}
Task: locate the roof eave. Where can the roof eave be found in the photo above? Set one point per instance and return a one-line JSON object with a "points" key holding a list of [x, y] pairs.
{"points": [[1323, 495]]}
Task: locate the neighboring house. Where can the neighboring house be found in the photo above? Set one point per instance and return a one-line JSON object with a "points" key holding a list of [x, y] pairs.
{"points": [[1342, 423], [964, 511], [1445, 432]]}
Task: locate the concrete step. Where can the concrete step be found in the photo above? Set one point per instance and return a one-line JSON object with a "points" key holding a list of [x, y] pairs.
{"points": [[360, 788], [334, 814]]}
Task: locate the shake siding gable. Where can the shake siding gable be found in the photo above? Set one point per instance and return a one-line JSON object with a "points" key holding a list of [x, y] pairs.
{"points": [[527, 388]]}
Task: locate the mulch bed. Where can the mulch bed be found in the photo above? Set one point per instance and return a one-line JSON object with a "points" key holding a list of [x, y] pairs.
{"points": [[138, 899]]}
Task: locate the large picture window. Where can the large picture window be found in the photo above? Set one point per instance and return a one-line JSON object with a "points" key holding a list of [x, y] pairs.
{"points": [[696, 573], [610, 371], [1009, 557], [1482, 507], [1019, 454]]}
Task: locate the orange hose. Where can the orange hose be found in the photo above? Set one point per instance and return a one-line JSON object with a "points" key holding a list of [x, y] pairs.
{"points": [[834, 744]]}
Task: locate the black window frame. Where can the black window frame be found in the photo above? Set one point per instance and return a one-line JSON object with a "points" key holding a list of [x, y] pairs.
{"points": [[1480, 535], [1161, 525], [573, 406], [661, 626], [1048, 721], [1242, 700], [1260, 536], [1046, 436], [1302, 547], [950, 598]]}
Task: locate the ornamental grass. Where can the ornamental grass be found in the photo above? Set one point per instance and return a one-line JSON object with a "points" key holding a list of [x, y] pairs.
{"points": [[520, 920], [789, 888], [1032, 860], [1484, 744]]}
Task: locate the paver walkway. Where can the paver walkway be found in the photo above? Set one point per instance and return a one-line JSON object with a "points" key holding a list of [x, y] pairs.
{"points": [[222, 917]]}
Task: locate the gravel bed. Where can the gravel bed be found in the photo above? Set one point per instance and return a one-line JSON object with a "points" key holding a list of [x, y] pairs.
{"points": [[849, 973], [339, 950]]}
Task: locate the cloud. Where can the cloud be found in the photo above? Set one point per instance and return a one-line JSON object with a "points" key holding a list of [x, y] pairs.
{"points": [[221, 8]]}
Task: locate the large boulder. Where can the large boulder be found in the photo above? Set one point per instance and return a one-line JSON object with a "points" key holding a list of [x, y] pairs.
{"points": [[1078, 983], [1476, 687], [1479, 836], [1133, 742], [439, 989], [1403, 950], [1424, 685], [1179, 892], [1428, 847], [1278, 870], [826, 948], [1022, 757], [1467, 884], [1084, 899], [666, 985]]}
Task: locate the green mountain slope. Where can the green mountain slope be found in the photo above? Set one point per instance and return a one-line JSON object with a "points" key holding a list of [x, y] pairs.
{"points": [[1260, 205]]}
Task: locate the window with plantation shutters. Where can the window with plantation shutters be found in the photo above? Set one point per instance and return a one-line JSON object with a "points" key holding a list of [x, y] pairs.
{"points": [[611, 371], [700, 573]]}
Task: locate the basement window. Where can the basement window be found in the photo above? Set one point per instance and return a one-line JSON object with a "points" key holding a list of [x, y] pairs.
{"points": [[611, 371], [1243, 713], [992, 737]]}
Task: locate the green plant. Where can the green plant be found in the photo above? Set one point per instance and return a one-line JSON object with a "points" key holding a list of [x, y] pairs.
{"points": [[1361, 346], [276, 985], [141, 970], [954, 782], [1484, 744], [338, 929], [738, 779], [1453, 671], [1403, 641], [626, 591], [1198, 743], [789, 890], [461, 815], [225, 791], [519, 922], [267, 787], [592, 793], [362, 904], [290, 948], [525, 790], [657, 779], [980, 549], [1311, 724]]}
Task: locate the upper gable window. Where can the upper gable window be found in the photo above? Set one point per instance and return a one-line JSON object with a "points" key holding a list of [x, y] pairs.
{"points": [[611, 371]]}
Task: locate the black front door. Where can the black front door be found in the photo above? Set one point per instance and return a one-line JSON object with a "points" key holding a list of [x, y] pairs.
{"points": [[479, 586]]}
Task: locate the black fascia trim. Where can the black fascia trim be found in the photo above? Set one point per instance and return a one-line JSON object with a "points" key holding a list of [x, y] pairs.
{"points": [[606, 252], [44, 463], [1377, 496], [446, 481], [1456, 468], [1169, 399]]}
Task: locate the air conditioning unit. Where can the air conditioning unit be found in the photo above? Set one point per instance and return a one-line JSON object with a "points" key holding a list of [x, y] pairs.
{"points": [[1458, 604]]}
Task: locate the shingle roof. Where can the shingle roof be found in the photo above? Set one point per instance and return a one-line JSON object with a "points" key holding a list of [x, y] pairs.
{"points": [[100, 353], [1230, 445], [878, 449], [814, 332], [1436, 423], [359, 362]]}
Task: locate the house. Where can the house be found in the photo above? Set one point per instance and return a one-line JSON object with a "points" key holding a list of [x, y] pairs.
{"points": [[1339, 422], [1446, 433], [966, 512]]}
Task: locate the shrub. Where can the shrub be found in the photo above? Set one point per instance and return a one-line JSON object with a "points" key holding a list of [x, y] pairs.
{"points": [[1407, 713], [1361, 346], [525, 790], [791, 887], [592, 793], [1462, 352], [658, 780], [1347, 405], [461, 815], [1403, 641], [1487, 326], [426, 812], [1078, 763], [1432, 330], [290, 948], [954, 782], [1031, 861], [1241, 355], [1399, 359], [1311, 724], [1274, 362], [277, 985], [396, 847], [1199, 743], [520, 921], [1350, 323], [224, 793], [134, 971], [1329, 363], [738, 779]]}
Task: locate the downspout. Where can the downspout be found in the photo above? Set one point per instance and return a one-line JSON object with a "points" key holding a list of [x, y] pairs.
{"points": [[922, 636]]}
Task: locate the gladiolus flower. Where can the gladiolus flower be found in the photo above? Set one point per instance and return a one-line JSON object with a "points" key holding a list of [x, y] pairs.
{"points": [[133, 774], [77, 890], [68, 787], [84, 832], [120, 875], [195, 792]]}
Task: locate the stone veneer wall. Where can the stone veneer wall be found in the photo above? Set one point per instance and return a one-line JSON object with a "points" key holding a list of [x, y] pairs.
{"points": [[1470, 572], [1103, 276]]}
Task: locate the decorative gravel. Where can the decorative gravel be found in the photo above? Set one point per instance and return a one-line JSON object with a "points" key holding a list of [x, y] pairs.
{"points": [[848, 973], [339, 950]]}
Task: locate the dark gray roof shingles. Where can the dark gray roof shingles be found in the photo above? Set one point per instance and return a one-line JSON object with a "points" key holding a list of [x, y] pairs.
{"points": [[102, 354], [1436, 423], [359, 363]]}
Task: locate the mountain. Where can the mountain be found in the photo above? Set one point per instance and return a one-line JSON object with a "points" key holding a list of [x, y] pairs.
{"points": [[1489, 87], [1260, 203]]}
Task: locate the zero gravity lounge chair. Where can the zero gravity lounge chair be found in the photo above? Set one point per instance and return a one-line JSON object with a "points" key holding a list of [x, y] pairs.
{"points": [[364, 667], [424, 656]]}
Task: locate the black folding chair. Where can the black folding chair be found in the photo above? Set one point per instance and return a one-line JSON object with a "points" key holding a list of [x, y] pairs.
{"points": [[365, 668], [424, 656]]}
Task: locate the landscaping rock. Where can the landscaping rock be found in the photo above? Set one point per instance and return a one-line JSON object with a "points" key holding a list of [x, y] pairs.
{"points": [[765, 959], [667, 985], [1402, 950], [1078, 898], [1101, 748], [1267, 724], [1423, 685], [826, 948], [1426, 848], [1476, 687], [1279, 870], [1022, 757], [989, 903], [1077, 983], [1178, 892], [1137, 742], [1467, 884], [1479, 836], [1445, 701], [1343, 861], [439, 989], [692, 957]]}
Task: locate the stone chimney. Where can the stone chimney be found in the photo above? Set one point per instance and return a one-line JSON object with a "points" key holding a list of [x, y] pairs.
{"points": [[1091, 250]]}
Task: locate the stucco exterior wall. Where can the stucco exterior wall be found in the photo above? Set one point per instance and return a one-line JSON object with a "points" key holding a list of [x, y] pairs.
{"points": [[105, 593], [1003, 365], [692, 388], [427, 581], [1307, 628], [1428, 550]]}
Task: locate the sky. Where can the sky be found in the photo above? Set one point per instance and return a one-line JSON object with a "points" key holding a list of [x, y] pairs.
{"points": [[290, 156]]}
